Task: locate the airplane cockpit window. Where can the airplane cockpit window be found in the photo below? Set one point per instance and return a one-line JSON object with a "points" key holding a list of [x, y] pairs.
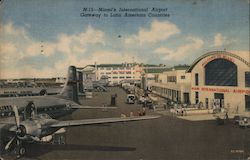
{"points": [[30, 110]]}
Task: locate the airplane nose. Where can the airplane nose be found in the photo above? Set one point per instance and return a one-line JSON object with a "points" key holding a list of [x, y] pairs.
{"points": [[21, 131]]}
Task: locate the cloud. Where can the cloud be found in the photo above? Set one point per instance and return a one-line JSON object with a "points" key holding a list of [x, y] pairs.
{"points": [[7, 48], [28, 72], [220, 40], [158, 31], [16, 45], [163, 50], [11, 30], [91, 36], [182, 51]]}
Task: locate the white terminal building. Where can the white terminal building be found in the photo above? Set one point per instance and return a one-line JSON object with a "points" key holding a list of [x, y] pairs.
{"points": [[216, 78], [118, 73], [115, 72]]}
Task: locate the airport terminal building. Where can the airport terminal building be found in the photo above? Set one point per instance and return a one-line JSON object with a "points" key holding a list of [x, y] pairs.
{"points": [[173, 84], [216, 79], [221, 79], [115, 72]]}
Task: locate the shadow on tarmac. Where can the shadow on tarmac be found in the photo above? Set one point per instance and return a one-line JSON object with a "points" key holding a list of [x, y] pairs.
{"points": [[36, 150]]}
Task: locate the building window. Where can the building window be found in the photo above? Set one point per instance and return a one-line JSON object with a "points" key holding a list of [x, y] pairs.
{"points": [[171, 79], [115, 77], [206, 102], [221, 72], [121, 77], [183, 77], [247, 102], [196, 79], [196, 97], [247, 79]]}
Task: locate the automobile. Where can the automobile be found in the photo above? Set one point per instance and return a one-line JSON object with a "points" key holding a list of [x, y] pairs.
{"points": [[238, 118], [244, 122], [141, 99], [131, 99], [149, 104]]}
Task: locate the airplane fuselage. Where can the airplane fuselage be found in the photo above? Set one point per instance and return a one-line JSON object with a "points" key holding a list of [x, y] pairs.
{"points": [[51, 105]]}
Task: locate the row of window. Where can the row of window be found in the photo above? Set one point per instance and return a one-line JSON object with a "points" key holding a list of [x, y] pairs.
{"points": [[6, 111], [103, 73], [115, 68], [171, 79], [6, 108], [128, 77], [173, 94]]}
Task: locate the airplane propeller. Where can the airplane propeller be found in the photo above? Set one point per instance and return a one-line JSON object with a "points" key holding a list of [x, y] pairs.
{"points": [[17, 120], [20, 130]]}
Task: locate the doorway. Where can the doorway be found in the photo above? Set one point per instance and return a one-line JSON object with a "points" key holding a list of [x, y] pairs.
{"points": [[186, 98], [219, 99]]}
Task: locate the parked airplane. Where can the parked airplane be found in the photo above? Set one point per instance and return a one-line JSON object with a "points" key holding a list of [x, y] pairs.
{"points": [[19, 92], [55, 106], [37, 128], [36, 124]]}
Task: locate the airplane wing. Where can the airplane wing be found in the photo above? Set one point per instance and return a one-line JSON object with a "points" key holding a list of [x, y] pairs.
{"points": [[91, 107], [60, 124], [77, 106]]}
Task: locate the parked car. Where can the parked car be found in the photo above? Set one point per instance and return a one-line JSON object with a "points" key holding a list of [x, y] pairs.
{"points": [[141, 99], [244, 122], [130, 99], [149, 104]]}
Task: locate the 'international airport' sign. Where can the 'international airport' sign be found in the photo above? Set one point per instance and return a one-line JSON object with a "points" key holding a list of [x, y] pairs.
{"points": [[222, 90]]}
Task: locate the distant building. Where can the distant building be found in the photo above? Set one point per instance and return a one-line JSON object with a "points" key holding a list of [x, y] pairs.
{"points": [[124, 72], [60, 80], [115, 72], [174, 84], [150, 75]]}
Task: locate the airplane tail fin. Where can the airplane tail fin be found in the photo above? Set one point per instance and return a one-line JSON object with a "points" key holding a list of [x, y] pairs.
{"points": [[70, 89], [80, 81]]}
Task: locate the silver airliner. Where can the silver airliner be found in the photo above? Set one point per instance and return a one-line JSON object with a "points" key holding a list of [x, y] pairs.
{"points": [[28, 119], [53, 105]]}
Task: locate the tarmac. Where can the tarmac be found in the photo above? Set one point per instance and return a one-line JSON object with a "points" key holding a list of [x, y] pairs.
{"points": [[164, 138], [197, 117]]}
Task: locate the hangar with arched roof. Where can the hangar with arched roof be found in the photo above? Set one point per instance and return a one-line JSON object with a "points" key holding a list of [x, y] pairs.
{"points": [[221, 79]]}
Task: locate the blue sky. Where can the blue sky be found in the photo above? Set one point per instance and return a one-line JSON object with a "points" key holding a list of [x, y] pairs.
{"points": [[193, 28]]}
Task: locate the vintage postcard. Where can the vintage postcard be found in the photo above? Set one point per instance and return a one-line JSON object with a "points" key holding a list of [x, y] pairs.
{"points": [[124, 80]]}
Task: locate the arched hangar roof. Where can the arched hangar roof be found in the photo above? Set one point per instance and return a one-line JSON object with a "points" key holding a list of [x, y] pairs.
{"points": [[214, 53]]}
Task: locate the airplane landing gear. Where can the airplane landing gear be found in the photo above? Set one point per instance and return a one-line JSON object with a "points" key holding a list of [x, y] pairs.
{"points": [[20, 150], [59, 139]]}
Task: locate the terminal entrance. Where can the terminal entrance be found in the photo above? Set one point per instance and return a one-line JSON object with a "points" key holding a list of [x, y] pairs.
{"points": [[219, 99], [186, 98], [247, 101]]}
